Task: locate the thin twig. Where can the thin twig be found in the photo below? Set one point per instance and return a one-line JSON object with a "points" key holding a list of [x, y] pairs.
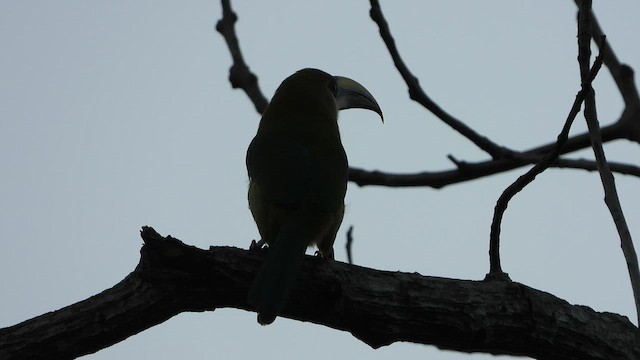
{"points": [[417, 94], [608, 182], [590, 165], [622, 74], [495, 270], [239, 74], [349, 243]]}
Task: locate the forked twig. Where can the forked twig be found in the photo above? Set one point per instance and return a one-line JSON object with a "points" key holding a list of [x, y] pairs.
{"points": [[495, 269], [608, 182]]}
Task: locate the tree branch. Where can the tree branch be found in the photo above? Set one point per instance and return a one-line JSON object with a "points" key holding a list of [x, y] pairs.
{"points": [[608, 182], [622, 74], [495, 271], [417, 94], [627, 127], [348, 245], [239, 74], [466, 171], [377, 307]]}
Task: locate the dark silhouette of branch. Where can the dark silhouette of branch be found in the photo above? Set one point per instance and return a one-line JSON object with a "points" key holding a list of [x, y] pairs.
{"points": [[622, 74], [590, 165], [417, 94], [495, 270], [608, 182], [239, 74], [627, 127], [466, 171], [377, 307], [503, 159], [349, 244]]}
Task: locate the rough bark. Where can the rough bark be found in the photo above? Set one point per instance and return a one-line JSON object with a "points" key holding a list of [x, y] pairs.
{"points": [[377, 307]]}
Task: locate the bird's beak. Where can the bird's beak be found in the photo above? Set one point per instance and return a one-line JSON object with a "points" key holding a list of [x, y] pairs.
{"points": [[351, 95]]}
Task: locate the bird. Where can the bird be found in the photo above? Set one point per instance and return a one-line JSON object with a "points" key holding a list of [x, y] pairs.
{"points": [[298, 173]]}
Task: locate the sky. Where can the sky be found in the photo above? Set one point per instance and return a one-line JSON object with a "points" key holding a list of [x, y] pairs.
{"points": [[119, 114]]}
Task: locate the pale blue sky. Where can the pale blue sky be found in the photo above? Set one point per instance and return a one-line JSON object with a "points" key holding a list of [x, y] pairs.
{"points": [[115, 115]]}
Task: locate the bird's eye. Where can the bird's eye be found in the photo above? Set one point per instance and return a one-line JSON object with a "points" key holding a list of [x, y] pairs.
{"points": [[333, 86]]}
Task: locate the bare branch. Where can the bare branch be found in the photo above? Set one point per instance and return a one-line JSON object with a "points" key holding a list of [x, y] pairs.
{"points": [[470, 171], [239, 74], [622, 74], [377, 307], [495, 271], [590, 165], [624, 77], [608, 182], [349, 244], [627, 127], [417, 94]]}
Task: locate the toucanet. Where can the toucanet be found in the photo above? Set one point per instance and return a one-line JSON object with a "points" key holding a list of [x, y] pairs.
{"points": [[298, 176]]}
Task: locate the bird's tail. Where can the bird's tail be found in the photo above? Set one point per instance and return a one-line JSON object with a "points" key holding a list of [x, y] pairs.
{"points": [[270, 289]]}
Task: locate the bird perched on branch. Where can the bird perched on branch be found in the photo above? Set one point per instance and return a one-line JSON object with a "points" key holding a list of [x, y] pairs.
{"points": [[298, 178]]}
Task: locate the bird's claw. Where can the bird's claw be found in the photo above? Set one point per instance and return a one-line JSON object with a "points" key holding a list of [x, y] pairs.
{"points": [[257, 245], [322, 256]]}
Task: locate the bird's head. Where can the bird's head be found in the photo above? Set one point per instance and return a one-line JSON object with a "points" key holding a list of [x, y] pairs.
{"points": [[315, 90]]}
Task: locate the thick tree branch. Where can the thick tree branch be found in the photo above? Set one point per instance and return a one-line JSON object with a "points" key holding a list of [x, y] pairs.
{"points": [[377, 307]]}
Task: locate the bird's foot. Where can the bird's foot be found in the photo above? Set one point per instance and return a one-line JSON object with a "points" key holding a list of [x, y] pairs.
{"points": [[323, 256], [257, 245]]}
